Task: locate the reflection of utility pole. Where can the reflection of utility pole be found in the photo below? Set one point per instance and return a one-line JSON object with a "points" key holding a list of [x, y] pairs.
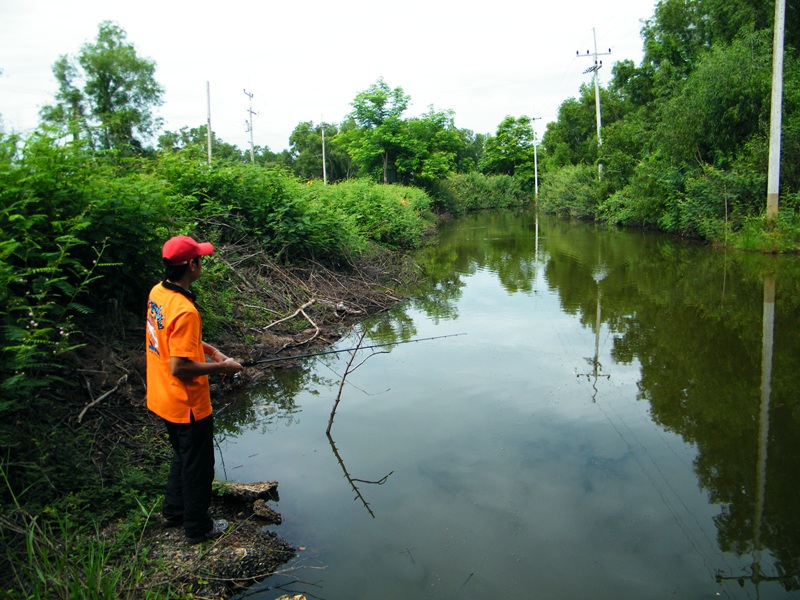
{"points": [[767, 334], [249, 124], [599, 273], [535, 162], [767, 330], [594, 69]]}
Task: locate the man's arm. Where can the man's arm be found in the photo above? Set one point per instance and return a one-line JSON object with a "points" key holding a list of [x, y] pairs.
{"points": [[185, 368]]}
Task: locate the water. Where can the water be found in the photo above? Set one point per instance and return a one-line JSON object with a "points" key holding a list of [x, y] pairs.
{"points": [[619, 421]]}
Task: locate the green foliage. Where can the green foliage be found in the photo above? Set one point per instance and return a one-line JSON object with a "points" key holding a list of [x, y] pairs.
{"points": [[510, 151], [383, 146], [572, 191], [725, 101], [758, 234], [434, 143], [641, 203], [290, 219], [377, 111], [572, 138], [57, 557], [394, 216], [306, 152], [119, 92], [462, 193], [72, 231]]}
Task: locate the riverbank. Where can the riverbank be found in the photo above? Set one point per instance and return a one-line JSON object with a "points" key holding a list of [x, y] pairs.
{"points": [[102, 431]]}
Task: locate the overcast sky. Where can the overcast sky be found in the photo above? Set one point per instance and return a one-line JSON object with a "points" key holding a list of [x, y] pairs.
{"points": [[307, 60]]}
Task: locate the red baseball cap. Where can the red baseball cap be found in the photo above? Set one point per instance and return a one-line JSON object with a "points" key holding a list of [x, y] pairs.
{"points": [[180, 249]]}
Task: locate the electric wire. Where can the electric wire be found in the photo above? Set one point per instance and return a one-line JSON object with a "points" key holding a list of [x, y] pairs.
{"points": [[669, 505]]}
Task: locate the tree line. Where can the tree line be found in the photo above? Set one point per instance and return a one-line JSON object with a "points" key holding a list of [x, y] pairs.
{"points": [[685, 137], [685, 133]]}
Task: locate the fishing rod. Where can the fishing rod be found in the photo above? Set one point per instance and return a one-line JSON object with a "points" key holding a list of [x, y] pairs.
{"points": [[252, 363]]}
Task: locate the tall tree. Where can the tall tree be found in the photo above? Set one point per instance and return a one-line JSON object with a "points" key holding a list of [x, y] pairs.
{"points": [[431, 148], [378, 113], [109, 91], [510, 151]]}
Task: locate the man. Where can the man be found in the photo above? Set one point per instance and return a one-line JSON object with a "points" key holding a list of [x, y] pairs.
{"points": [[178, 390]]}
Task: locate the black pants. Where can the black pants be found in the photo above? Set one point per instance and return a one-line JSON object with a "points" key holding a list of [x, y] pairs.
{"points": [[191, 473]]}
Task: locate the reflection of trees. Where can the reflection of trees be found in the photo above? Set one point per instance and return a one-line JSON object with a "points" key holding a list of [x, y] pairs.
{"points": [[503, 242], [693, 323], [271, 400]]}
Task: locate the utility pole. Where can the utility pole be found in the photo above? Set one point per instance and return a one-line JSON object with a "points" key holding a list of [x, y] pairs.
{"points": [[208, 123], [249, 124], [774, 169], [594, 69], [324, 172], [535, 162]]}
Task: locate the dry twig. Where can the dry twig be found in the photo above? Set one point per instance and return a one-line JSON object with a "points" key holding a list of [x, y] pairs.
{"points": [[103, 396]]}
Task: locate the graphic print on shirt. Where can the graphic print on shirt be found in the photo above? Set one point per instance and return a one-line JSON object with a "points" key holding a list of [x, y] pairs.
{"points": [[155, 319]]}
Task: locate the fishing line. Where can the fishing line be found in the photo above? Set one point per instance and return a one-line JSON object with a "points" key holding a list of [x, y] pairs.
{"points": [[694, 543], [252, 363]]}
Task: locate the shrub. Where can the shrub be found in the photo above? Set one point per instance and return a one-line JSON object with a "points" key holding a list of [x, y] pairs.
{"points": [[461, 193], [571, 191], [392, 215]]}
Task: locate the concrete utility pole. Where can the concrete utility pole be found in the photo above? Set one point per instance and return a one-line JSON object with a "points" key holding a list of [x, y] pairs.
{"points": [[535, 162], [249, 124], [594, 69], [774, 169], [324, 172], [208, 123]]}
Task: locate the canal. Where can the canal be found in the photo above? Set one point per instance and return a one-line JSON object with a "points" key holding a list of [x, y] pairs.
{"points": [[620, 419]]}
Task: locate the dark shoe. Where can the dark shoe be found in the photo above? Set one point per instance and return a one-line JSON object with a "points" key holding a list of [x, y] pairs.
{"points": [[169, 522], [217, 529]]}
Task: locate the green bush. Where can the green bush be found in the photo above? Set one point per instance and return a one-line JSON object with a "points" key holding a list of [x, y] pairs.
{"points": [[571, 191], [392, 215], [461, 193], [758, 234], [75, 234], [289, 218]]}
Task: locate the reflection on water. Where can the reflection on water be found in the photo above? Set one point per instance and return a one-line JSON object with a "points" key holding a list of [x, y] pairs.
{"points": [[620, 421]]}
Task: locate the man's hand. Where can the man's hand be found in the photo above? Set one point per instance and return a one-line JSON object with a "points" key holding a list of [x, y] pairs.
{"points": [[228, 366]]}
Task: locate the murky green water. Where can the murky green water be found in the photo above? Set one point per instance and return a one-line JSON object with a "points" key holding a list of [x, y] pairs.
{"points": [[620, 421]]}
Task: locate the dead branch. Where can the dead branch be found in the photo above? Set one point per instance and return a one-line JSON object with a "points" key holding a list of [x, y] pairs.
{"points": [[341, 383], [103, 396], [299, 311]]}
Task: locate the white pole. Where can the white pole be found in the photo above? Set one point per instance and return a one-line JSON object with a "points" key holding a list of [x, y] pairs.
{"points": [[208, 124], [595, 69], [324, 172], [536, 171], [597, 91], [535, 163], [774, 169], [250, 114], [597, 102]]}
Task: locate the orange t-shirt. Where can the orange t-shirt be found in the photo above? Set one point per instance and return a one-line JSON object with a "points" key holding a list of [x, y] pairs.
{"points": [[174, 328]]}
